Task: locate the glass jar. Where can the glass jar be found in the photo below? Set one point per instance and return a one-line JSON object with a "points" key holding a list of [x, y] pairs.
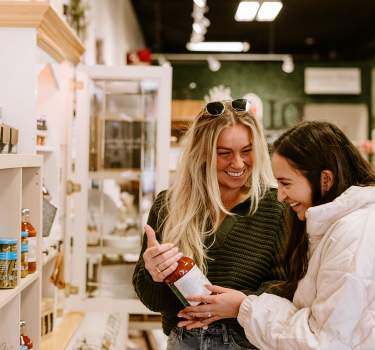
{"points": [[24, 254], [8, 245], [8, 270]]}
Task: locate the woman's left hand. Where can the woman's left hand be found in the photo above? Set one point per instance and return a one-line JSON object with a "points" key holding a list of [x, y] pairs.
{"points": [[223, 303]]}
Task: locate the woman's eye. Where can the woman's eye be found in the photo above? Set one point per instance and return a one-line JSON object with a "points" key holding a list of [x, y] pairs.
{"points": [[246, 151], [223, 153]]}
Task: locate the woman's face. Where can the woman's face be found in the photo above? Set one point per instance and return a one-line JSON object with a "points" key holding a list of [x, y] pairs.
{"points": [[234, 157], [293, 187]]}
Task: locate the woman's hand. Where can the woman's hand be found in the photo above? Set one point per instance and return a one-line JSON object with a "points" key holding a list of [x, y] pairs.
{"points": [[160, 259], [223, 303]]}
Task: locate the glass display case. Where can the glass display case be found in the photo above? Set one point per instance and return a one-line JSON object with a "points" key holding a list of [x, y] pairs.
{"points": [[124, 144]]}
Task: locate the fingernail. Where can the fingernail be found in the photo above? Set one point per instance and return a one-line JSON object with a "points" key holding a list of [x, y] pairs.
{"points": [[205, 328]]}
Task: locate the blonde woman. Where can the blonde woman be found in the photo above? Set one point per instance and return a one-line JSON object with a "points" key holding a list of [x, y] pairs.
{"points": [[221, 211]]}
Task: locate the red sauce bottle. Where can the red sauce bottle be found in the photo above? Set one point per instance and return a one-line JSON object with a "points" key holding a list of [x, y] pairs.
{"points": [[31, 232], [24, 339], [187, 280]]}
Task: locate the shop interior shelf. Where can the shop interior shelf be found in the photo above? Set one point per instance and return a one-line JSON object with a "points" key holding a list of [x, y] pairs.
{"points": [[7, 294], [8, 161]]}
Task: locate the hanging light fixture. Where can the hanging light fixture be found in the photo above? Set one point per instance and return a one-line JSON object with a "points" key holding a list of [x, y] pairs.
{"points": [[262, 10], [269, 10], [246, 11], [219, 46]]}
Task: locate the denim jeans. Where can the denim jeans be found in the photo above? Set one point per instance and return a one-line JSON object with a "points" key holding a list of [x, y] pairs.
{"points": [[216, 337]]}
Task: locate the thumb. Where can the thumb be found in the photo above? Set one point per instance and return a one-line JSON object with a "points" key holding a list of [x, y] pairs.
{"points": [[151, 237], [217, 289]]}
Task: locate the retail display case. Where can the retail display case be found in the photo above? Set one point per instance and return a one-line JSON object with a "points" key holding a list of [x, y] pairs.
{"points": [[129, 138]]}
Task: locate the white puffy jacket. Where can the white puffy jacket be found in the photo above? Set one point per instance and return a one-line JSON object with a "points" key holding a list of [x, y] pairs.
{"points": [[334, 305]]}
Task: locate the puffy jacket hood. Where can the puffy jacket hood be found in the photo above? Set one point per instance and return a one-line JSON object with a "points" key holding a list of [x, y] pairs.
{"points": [[321, 217]]}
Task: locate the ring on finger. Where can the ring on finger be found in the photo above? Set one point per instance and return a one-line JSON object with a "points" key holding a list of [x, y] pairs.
{"points": [[209, 315], [158, 268]]}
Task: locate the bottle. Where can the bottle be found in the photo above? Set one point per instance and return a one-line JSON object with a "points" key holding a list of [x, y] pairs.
{"points": [[31, 232], [187, 280], [24, 255], [24, 339]]}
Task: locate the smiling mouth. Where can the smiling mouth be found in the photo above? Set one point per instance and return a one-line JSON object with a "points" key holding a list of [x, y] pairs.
{"points": [[294, 204], [236, 173]]}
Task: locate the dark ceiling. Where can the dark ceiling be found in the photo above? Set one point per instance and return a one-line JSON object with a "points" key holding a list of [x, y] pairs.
{"points": [[307, 29]]}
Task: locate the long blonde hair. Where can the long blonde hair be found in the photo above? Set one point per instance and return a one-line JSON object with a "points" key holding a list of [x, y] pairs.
{"points": [[193, 202]]}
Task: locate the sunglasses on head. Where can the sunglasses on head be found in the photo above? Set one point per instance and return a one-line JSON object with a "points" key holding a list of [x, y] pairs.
{"points": [[217, 108]]}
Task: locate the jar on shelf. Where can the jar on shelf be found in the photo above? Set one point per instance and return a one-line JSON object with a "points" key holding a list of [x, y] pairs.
{"points": [[8, 245], [41, 134], [26, 226], [24, 254], [8, 263]]}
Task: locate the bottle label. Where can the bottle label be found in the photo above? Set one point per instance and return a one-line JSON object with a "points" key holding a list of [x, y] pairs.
{"points": [[32, 249], [191, 284]]}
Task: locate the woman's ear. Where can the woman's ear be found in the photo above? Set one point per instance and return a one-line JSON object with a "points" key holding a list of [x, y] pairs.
{"points": [[326, 180]]}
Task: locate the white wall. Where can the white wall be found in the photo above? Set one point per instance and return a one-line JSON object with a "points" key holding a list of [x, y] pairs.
{"points": [[115, 22]]}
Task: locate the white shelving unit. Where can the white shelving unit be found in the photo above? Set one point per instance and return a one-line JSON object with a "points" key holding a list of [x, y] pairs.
{"points": [[37, 69], [20, 183]]}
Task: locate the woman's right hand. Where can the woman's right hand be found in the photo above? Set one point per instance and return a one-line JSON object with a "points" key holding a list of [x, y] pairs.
{"points": [[160, 259]]}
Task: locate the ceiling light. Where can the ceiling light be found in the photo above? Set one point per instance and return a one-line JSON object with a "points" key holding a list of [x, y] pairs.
{"points": [[288, 64], [213, 64], [246, 11], [269, 10], [222, 46], [199, 28], [200, 3]]}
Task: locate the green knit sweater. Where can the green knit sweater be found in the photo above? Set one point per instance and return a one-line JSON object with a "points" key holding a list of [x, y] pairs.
{"points": [[246, 256]]}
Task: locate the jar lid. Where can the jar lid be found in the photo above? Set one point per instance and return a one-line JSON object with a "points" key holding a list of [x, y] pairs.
{"points": [[8, 241], [24, 234], [8, 256]]}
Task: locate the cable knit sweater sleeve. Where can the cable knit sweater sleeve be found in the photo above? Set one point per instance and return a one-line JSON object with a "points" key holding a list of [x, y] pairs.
{"points": [[156, 296]]}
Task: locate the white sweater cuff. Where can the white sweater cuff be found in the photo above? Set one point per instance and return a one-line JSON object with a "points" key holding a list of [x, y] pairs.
{"points": [[244, 313]]}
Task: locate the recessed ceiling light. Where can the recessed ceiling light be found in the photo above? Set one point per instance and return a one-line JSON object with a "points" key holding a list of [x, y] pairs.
{"points": [[246, 11], [219, 46], [269, 10]]}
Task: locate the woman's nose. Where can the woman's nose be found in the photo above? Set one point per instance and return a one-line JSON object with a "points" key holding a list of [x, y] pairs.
{"points": [[237, 162]]}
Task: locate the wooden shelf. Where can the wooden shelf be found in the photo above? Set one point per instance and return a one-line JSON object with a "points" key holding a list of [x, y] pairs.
{"points": [[45, 149], [64, 332], [112, 250], [7, 294], [9, 161], [131, 174]]}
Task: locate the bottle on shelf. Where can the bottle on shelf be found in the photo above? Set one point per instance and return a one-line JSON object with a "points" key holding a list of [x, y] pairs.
{"points": [[24, 339], [24, 254], [187, 280], [27, 227]]}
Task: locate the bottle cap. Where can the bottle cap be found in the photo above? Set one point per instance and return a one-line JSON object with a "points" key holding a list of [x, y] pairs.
{"points": [[25, 211]]}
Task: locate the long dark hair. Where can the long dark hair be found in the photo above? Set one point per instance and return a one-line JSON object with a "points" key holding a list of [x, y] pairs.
{"points": [[312, 147]]}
